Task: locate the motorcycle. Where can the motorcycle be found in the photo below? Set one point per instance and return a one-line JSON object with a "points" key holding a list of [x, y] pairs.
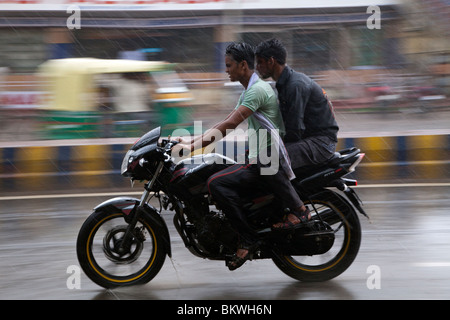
{"points": [[125, 240]]}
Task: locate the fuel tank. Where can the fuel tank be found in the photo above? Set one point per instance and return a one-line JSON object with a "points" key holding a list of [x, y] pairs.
{"points": [[190, 175]]}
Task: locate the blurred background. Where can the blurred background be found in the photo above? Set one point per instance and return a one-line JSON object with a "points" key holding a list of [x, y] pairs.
{"points": [[374, 68]]}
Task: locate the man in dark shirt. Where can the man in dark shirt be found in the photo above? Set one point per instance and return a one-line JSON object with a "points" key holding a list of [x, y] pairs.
{"points": [[311, 129]]}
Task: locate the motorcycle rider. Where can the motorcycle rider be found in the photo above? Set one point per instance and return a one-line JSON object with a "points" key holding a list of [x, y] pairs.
{"points": [[311, 128], [258, 104]]}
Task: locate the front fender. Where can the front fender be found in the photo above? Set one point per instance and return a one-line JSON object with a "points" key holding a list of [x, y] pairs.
{"points": [[127, 206], [123, 204]]}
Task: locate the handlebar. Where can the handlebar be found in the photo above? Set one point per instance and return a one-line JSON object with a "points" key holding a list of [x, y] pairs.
{"points": [[168, 144]]}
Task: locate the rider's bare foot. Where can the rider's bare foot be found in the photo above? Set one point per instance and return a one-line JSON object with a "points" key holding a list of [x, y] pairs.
{"points": [[294, 218], [241, 256], [290, 218], [241, 253]]}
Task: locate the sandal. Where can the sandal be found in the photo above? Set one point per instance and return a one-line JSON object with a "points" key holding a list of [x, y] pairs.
{"points": [[303, 216], [237, 262]]}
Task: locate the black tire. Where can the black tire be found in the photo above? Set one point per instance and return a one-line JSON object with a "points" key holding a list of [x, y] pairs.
{"points": [[95, 250], [342, 217]]}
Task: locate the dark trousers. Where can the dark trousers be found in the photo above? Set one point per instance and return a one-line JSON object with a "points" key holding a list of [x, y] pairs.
{"points": [[310, 151], [228, 185]]}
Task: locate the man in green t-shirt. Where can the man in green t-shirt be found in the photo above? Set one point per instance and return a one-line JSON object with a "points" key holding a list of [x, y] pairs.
{"points": [[259, 105]]}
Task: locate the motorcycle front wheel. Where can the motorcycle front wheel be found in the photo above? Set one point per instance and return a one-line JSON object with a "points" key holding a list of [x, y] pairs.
{"points": [[109, 262], [343, 219]]}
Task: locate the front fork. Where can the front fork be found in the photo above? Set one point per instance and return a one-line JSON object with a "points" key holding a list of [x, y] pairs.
{"points": [[132, 209], [135, 213]]}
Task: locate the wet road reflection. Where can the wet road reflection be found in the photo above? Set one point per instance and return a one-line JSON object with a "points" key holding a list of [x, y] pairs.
{"points": [[405, 254]]}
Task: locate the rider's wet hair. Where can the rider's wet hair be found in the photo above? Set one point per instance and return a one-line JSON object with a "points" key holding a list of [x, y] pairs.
{"points": [[272, 48], [242, 52]]}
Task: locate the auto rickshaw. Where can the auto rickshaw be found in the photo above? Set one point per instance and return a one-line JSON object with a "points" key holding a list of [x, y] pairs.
{"points": [[103, 98]]}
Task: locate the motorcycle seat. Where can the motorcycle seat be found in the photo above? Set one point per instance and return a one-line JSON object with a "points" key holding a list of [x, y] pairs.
{"points": [[334, 160], [337, 158], [305, 171]]}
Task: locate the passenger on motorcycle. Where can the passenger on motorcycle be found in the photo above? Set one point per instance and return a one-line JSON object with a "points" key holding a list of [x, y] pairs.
{"points": [[311, 128], [258, 104]]}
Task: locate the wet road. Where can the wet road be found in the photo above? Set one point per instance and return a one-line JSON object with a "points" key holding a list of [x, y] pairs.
{"points": [[405, 254]]}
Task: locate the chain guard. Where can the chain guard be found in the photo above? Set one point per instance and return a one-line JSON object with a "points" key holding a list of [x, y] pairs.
{"points": [[314, 237]]}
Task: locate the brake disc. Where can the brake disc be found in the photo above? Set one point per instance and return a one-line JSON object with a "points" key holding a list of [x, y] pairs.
{"points": [[118, 253]]}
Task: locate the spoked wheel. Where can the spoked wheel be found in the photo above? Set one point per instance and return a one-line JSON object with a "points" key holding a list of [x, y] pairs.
{"points": [[110, 261], [347, 231]]}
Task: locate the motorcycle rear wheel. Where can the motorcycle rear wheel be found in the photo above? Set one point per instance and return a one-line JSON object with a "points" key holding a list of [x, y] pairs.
{"points": [[106, 263], [341, 216]]}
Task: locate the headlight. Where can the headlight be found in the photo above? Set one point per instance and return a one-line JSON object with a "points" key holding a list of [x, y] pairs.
{"points": [[126, 161]]}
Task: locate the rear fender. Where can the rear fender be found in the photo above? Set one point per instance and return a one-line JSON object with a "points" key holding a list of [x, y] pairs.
{"points": [[357, 203], [339, 202], [127, 206]]}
